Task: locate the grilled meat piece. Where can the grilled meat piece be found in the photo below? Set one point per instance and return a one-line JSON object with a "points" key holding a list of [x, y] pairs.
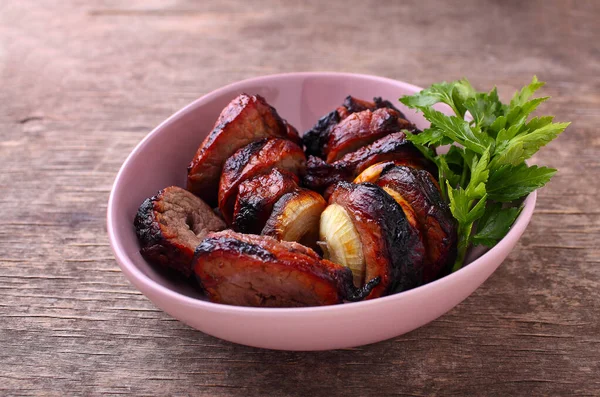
{"points": [[295, 217], [171, 224], [393, 147], [291, 133], [392, 248], [420, 191], [317, 137], [256, 198], [249, 270], [255, 159], [246, 119], [372, 173], [361, 129]]}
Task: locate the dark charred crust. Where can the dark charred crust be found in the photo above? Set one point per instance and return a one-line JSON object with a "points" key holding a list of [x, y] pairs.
{"points": [[250, 270], [405, 249], [361, 129], [146, 228], [209, 245], [380, 103], [244, 120], [170, 224], [154, 247], [236, 163], [397, 256], [246, 216], [256, 198], [437, 224], [319, 174], [355, 105], [315, 138], [247, 164], [354, 294]]}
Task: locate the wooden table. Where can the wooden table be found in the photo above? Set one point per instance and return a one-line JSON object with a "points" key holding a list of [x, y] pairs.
{"points": [[82, 82]]}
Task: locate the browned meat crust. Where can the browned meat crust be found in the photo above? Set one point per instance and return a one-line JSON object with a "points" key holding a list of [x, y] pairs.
{"points": [[392, 247], [255, 159], [438, 226], [256, 198], [317, 137], [291, 133], [249, 270], [171, 224], [246, 119], [361, 129], [393, 147]]}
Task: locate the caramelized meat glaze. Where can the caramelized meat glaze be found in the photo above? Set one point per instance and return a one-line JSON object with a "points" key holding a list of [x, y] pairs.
{"points": [[392, 247], [256, 198], [393, 147], [249, 270], [317, 137], [246, 119], [255, 159], [420, 191], [253, 167]]}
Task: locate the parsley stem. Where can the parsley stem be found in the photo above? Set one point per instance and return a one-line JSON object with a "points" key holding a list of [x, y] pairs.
{"points": [[463, 177], [464, 240]]}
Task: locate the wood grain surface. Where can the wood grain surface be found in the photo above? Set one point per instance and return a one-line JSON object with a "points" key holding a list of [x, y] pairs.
{"points": [[82, 82]]}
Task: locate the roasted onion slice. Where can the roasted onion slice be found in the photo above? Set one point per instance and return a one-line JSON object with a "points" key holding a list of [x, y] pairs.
{"points": [[392, 248], [295, 217]]}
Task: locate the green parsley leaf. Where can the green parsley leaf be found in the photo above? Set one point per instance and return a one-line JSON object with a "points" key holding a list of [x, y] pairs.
{"points": [[429, 136], [452, 94], [509, 182], [485, 166], [526, 92], [458, 130], [538, 122], [533, 140], [485, 108], [479, 175], [494, 224]]}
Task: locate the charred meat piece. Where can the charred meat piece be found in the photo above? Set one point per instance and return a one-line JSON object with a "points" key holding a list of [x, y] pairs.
{"points": [[246, 119], [372, 173], [361, 129], [249, 270], [255, 159], [317, 137], [295, 217], [171, 224], [354, 105], [420, 191], [393, 147], [291, 133], [256, 198], [391, 246]]}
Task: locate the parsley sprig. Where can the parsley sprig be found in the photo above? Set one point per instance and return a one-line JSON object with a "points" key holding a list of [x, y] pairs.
{"points": [[484, 175]]}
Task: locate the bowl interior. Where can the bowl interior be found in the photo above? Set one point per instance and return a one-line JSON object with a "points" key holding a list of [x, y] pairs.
{"points": [[161, 159]]}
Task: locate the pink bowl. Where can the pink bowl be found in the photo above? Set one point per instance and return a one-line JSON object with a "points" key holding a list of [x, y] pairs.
{"points": [[161, 159]]}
